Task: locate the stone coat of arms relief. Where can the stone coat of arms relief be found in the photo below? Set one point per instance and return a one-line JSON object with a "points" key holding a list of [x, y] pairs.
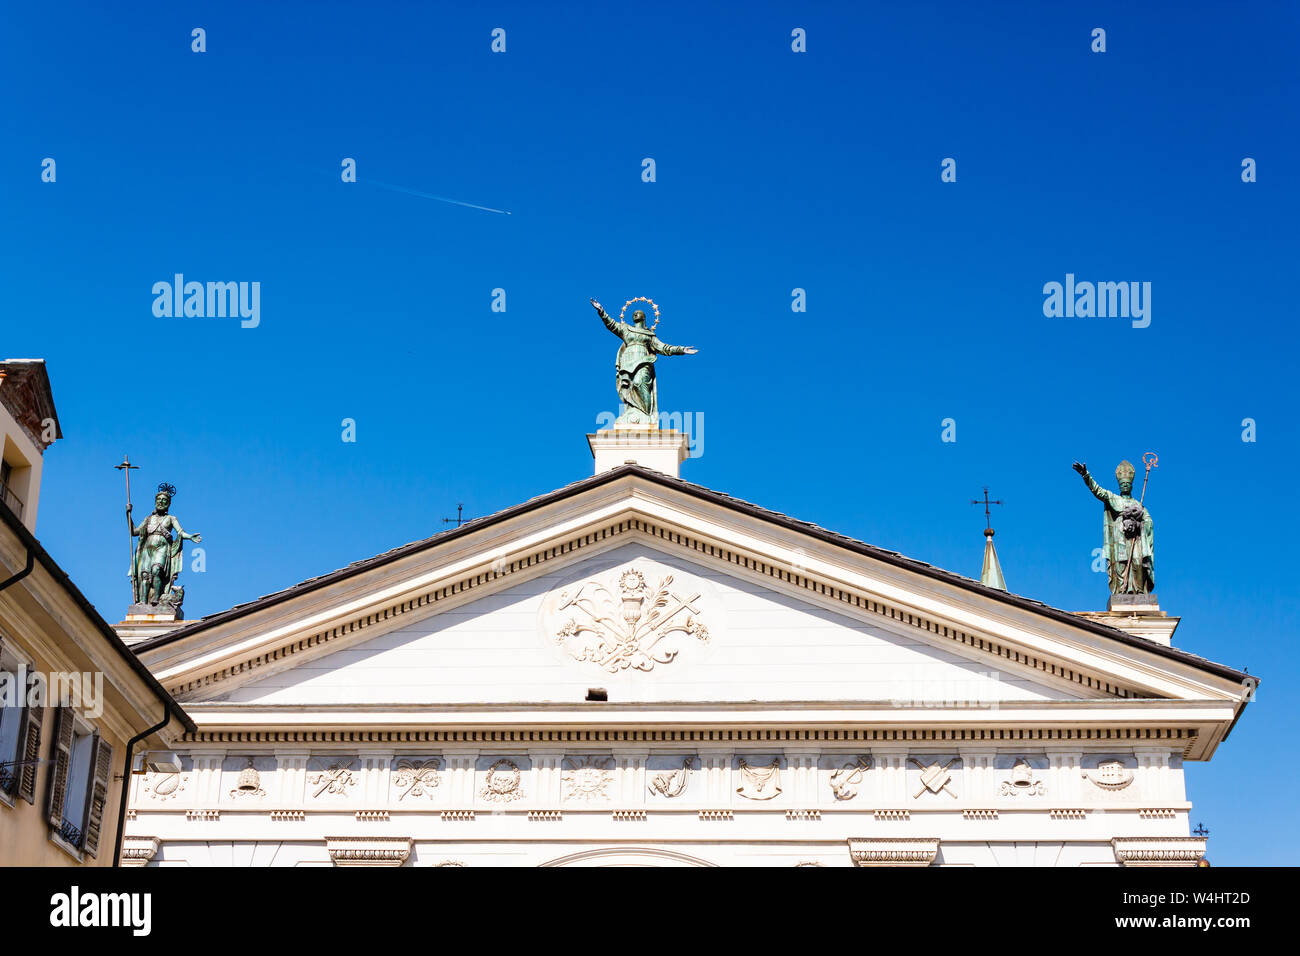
{"points": [[626, 619]]}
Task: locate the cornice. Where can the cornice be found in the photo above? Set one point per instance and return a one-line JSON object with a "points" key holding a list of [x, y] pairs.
{"points": [[265, 652], [1179, 725]]}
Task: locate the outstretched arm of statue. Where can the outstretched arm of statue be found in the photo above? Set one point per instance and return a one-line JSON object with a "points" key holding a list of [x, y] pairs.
{"points": [[185, 535], [1095, 488], [663, 348], [604, 317]]}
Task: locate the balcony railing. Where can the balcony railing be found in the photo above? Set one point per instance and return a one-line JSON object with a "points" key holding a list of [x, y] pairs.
{"points": [[11, 501], [70, 833]]}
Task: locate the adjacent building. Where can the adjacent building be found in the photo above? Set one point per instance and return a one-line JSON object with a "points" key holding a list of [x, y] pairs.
{"points": [[78, 709]]}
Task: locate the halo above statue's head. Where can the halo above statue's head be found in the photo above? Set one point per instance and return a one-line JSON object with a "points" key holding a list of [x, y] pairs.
{"points": [[640, 298], [168, 489]]}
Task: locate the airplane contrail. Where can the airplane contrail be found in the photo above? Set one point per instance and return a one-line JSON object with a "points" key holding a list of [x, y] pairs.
{"points": [[416, 192]]}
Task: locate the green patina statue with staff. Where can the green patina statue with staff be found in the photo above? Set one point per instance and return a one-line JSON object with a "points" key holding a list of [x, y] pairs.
{"points": [[1128, 531], [157, 560]]}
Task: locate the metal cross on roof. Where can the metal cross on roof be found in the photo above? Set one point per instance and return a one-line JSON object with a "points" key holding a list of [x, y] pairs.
{"points": [[460, 518], [988, 521]]}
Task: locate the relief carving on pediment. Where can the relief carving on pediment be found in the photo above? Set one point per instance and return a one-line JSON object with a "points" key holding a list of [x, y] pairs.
{"points": [[1022, 780], [164, 785], [334, 778], [626, 618], [759, 781], [502, 782], [846, 780], [416, 778], [248, 785], [1110, 775], [587, 779], [671, 783], [935, 777]]}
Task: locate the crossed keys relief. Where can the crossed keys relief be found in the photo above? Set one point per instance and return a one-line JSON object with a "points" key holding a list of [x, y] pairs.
{"points": [[632, 628]]}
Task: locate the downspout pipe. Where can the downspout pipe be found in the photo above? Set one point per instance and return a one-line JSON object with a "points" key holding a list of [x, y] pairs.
{"points": [[126, 781], [15, 578]]}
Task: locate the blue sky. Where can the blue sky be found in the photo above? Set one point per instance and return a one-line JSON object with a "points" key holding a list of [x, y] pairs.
{"points": [[774, 171]]}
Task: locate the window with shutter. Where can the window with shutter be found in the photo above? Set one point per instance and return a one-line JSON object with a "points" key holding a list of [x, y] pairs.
{"points": [[30, 738], [11, 721], [103, 776], [18, 723], [81, 775], [11, 733], [64, 726]]}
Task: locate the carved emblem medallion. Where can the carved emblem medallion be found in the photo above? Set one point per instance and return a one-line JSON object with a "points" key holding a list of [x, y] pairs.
{"points": [[165, 785], [249, 783], [671, 783], [629, 624], [501, 784], [760, 783], [1022, 781], [416, 778], [934, 777], [845, 781], [334, 780], [588, 779], [1110, 775]]}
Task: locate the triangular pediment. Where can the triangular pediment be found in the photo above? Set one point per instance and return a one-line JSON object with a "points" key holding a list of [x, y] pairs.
{"points": [[792, 613], [644, 625]]}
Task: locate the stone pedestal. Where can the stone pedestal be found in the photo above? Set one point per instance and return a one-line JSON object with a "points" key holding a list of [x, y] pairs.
{"points": [[663, 449], [1137, 614], [1133, 603], [145, 621]]}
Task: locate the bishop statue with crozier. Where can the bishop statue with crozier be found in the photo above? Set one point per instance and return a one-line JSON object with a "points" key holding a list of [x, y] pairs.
{"points": [[1128, 533]]}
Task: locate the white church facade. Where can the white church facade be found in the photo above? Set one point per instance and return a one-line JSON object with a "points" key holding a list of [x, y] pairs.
{"points": [[636, 670]]}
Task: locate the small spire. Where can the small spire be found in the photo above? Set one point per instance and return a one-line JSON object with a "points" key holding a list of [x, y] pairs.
{"points": [[991, 572]]}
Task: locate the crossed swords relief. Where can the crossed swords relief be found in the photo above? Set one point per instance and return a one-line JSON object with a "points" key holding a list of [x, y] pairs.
{"points": [[621, 642]]}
